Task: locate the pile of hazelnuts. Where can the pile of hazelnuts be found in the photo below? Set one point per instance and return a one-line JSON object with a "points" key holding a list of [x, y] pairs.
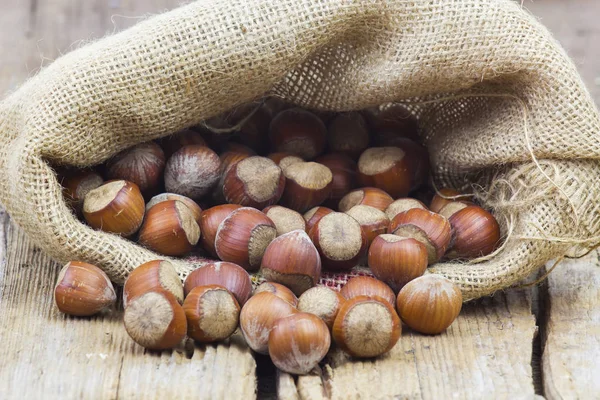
{"points": [[286, 192]]}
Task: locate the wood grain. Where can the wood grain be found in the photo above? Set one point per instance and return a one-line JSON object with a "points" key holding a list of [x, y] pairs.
{"points": [[45, 354], [571, 360], [486, 353]]}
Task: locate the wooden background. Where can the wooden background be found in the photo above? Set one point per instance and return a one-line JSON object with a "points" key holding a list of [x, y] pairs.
{"points": [[519, 344]]}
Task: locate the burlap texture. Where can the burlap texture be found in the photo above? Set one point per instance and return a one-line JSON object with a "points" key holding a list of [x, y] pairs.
{"points": [[503, 109]]}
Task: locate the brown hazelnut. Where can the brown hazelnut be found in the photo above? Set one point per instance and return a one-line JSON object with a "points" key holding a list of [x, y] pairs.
{"points": [[391, 122], [348, 134], [292, 260], [254, 182], [453, 207], [299, 132], [366, 327], [314, 215], [340, 241], [209, 224], [367, 286], [155, 320], [258, 316], [77, 184], [229, 275], [373, 222], [212, 313], [172, 144], [431, 229], [475, 233], [170, 229], [83, 289], [385, 168], [322, 302], [116, 206], [445, 196], [298, 342], [285, 219], [368, 196], [307, 185], [417, 158], [153, 275], [191, 204], [243, 236], [278, 290], [396, 260], [142, 164], [192, 171], [254, 133], [429, 304], [284, 159], [401, 205], [343, 170]]}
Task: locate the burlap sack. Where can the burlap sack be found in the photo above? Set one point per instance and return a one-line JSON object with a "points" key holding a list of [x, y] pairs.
{"points": [[503, 109]]}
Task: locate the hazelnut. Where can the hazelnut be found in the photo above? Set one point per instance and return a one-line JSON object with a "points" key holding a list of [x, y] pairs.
{"points": [[212, 313], [385, 168], [285, 219], [170, 229], [417, 158], [445, 196], [192, 171], [314, 215], [322, 302], [77, 184], [284, 159], [307, 185], [431, 229], [229, 158], [157, 274], [258, 316], [229, 275], [343, 170], [116, 207], [299, 132], [429, 304], [233, 148], [367, 286], [348, 134], [475, 233], [453, 207], [396, 260], [172, 144], [368, 196], [401, 205], [340, 241], [243, 236], [392, 122], [209, 224], [366, 327], [298, 342], [254, 182], [275, 105], [292, 260], [142, 164], [373, 222], [278, 290], [191, 204], [155, 320], [83, 289], [254, 133]]}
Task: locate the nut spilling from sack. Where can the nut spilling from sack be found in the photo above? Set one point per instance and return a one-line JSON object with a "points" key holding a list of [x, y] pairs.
{"points": [[334, 192]]}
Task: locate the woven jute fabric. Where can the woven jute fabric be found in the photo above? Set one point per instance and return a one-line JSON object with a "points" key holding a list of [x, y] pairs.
{"points": [[503, 110]]}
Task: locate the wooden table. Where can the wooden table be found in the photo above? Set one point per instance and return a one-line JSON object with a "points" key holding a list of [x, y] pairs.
{"points": [[518, 344]]}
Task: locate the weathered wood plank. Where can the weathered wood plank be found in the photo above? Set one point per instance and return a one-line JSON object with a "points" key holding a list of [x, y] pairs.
{"points": [[571, 360], [486, 353], [45, 354]]}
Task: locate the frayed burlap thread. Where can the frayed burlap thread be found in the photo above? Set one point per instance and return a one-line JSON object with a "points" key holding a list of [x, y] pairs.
{"points": [[503, 111]]}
